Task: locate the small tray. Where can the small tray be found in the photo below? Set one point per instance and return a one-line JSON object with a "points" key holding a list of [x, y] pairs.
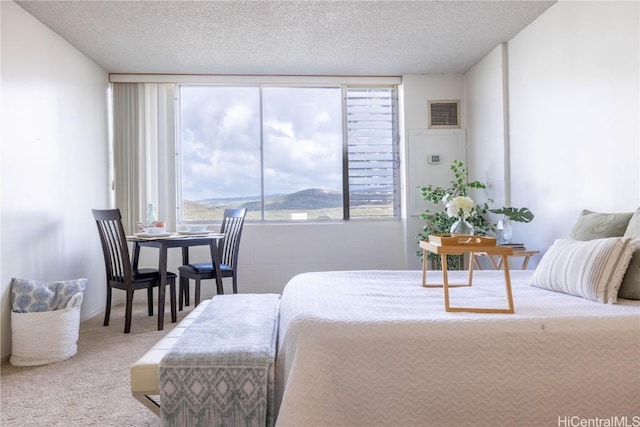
{"points": [[462, 240]]}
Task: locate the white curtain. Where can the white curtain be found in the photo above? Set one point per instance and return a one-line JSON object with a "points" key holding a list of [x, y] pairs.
{"points": [[127, 132], [143, 139]]}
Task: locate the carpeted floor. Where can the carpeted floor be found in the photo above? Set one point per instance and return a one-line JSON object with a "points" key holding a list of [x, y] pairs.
{"points": [[90, 389]]}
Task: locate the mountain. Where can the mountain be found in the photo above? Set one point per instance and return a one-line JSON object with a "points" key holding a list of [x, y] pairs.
{"points": [[309, 199]]}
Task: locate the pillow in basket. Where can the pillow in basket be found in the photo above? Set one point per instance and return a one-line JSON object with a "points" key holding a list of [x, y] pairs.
{"points": [[30, 296]]}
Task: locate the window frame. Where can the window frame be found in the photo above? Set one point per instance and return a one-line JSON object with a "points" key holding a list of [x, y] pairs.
{"points": [[346, 206], [145, 132]]}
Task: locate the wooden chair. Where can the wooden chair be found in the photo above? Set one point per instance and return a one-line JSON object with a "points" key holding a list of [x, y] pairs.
{"points": [[232, 224], [120, 274]]}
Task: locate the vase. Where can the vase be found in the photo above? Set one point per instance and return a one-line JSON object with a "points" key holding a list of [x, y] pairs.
{"points": [[461, 226], [504, 231]]}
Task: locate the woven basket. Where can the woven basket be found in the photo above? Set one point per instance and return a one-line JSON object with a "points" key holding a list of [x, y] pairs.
{"points": [[45, 337]]}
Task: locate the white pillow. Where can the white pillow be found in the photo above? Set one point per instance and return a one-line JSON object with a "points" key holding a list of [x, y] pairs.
{"points": [[590, 269]]}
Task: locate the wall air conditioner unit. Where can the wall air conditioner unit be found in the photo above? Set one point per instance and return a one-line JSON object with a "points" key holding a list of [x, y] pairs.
{"points": [[444, 114]]}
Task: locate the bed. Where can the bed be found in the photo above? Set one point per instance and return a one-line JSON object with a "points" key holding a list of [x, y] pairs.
{"points": [[375, 348]]}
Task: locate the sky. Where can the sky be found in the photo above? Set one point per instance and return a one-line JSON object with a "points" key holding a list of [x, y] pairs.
{"points": [[220, 140]]}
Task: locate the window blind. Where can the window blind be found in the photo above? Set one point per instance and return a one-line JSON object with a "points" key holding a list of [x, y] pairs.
{"points": [[372, 152]]}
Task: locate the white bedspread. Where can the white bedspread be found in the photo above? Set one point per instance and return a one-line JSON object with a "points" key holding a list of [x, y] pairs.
{"points": [[374, 348]]}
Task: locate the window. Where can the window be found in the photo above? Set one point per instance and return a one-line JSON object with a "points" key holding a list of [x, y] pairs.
{"points": [[287, 152]]}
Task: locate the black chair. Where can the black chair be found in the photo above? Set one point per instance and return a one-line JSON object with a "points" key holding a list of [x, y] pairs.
{"points": [[231, 227], [120, 274]]}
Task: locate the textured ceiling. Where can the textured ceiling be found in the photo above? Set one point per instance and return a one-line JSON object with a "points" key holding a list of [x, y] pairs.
{"points": [[286, 37]]}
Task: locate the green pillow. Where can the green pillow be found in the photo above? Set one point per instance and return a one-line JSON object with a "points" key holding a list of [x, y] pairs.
{"points": [[596, 225], [630, 287]]}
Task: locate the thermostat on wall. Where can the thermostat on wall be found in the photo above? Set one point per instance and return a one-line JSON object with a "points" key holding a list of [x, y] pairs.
{"points": [[434, 158]]}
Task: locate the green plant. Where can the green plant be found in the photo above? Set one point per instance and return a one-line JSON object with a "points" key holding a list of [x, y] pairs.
{"points": [[437, 221], [514, 214]]}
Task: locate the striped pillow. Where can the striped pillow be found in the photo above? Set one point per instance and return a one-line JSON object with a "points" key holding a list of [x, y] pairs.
{"points": [[589, 269]]}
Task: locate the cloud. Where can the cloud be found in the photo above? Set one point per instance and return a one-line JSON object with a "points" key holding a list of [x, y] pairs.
{"points": [[220, 140]]}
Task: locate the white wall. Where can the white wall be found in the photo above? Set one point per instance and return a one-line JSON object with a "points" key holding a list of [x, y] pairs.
{"points": [[533, 111], [54, 152], [418, 90], [574, 118], [552, 119], [271, 254], [486, 134]]}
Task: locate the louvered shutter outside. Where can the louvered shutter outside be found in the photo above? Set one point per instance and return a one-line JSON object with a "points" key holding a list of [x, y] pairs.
{"points": [[372, 152]]}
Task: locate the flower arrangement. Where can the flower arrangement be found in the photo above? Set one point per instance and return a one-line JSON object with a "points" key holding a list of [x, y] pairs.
{"points": [[438, 221], [459, 207]]}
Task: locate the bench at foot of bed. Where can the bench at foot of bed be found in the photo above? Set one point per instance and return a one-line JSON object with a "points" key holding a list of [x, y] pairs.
{"points": [[228, 340], [144, 373]]}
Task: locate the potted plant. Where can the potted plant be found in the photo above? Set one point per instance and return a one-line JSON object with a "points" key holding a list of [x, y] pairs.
{"points": [[455, 201]]}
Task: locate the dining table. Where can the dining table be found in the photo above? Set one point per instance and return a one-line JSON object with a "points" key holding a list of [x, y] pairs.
{"points": [[165, 241]]}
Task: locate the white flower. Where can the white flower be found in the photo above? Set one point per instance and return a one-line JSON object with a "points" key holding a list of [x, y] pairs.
{"points": [[461, 206]]}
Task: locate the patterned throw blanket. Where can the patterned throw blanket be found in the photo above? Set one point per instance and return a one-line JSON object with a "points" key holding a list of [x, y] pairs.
{"points": [[220, 372]]}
